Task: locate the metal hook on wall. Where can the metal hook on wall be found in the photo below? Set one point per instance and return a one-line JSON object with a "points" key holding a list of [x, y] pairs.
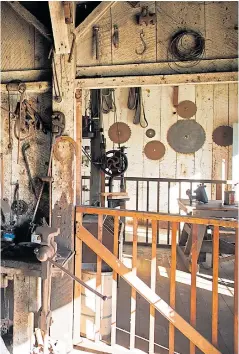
{"points": [[143, 43]]}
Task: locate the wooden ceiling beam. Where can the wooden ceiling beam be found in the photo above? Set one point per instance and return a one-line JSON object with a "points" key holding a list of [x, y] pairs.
{"points": [[93, 18], [30, 18], [59, 27]]}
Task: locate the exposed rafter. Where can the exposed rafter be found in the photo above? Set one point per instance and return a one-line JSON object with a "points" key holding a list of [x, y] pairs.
{"points": [[93, 18], [30, 18], [59, 27]]}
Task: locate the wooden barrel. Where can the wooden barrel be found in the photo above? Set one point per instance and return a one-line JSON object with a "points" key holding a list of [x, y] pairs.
{"points": [[88, 302]]}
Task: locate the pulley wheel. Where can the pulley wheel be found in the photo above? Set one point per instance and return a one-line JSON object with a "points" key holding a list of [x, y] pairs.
{"points": [[154, 150], [186, 109]]}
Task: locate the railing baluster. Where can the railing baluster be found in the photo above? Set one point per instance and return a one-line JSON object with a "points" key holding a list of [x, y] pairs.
{"points": [[215, 285], [114, 285], [173, 283], [153, 285], [193, 302], [98, 282], [157, 211], [77, 286], [147, 208], [137, 195], [236, 299], [168, 213], [133, 291]]}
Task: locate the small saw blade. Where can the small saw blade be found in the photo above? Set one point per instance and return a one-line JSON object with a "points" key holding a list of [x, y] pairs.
{"points": [[186, 137], [186, 109], [119, 132], [223, 135], [150, 133], [154, 150]]}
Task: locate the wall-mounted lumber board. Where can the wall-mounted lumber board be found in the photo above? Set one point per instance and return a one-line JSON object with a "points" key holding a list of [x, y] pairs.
{"points": [[204, 116], [220, 117], [177, 79], [30, 19], [129, 34], [93, 18], [175, 15], [41, 87], [221, 19], [153, 68], [25, 75], [59, 27]]}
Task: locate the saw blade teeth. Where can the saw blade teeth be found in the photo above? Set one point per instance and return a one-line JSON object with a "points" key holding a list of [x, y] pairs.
{"points": [[223, 135], [119, 132]]}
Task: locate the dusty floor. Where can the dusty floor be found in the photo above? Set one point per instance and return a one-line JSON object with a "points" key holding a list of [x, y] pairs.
{"points": [[204, 303]]}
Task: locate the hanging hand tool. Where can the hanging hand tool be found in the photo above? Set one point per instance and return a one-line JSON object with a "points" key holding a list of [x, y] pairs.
{"points": [[146, 17], [144, 44], [58, 126], [9, 124], [96, 42], [21, 89], [25, 147], [115, 38]]}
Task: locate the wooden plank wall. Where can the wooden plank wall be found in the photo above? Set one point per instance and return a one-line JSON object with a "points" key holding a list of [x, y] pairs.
{"points": [[22, 47], [216, 105], [217, 21]]}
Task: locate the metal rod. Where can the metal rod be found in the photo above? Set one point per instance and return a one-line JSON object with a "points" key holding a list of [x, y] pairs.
{"points": [[103, 297], [147, 208]]}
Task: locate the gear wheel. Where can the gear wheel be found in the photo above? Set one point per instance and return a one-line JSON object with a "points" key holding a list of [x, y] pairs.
{"points": [[119, 132], [223, 135]]}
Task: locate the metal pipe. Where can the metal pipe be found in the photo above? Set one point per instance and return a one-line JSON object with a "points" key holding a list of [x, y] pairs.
{"points": [[103, 297]]}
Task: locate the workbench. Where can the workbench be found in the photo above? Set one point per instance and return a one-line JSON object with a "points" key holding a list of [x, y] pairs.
{"points": [[213, 209], [22, 278]]}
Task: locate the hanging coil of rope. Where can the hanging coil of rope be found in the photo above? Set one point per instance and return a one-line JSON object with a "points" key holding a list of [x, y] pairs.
{"points": [[182, 51]]}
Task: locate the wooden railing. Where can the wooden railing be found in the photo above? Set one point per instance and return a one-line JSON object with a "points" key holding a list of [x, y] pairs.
{"points": [[168, 189], [137, 285]]}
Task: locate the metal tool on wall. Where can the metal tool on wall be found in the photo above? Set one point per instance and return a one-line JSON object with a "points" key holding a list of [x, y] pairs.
{"points": [[115, 37], [25, 147], [107, 101], [223, 135], [95, 44], [145, 17], [154, 150], [135, 103], [119, 132], [186, 136], [144, 47]]}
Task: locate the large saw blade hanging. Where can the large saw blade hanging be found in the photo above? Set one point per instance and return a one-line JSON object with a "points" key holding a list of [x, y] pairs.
{"points": [[186, 137], [223, 135], [119, 132]]}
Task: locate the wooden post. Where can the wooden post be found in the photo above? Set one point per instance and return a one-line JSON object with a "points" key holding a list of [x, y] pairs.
{"points": [[114, 287], [236, 299], [173, 283], [215, 286], [64, 187], [98, 282], [133, 291], [153, 285], [193, 303]]}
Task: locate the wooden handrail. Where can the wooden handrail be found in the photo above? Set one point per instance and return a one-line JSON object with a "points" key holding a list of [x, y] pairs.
{"points": [[153, 299], [156, 216]]}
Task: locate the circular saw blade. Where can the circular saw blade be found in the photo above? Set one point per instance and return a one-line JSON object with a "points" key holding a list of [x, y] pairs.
{"points": [[119, 132], [186, 137], [186, 109], [223, 135], [150, 133], [154, 150]]}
